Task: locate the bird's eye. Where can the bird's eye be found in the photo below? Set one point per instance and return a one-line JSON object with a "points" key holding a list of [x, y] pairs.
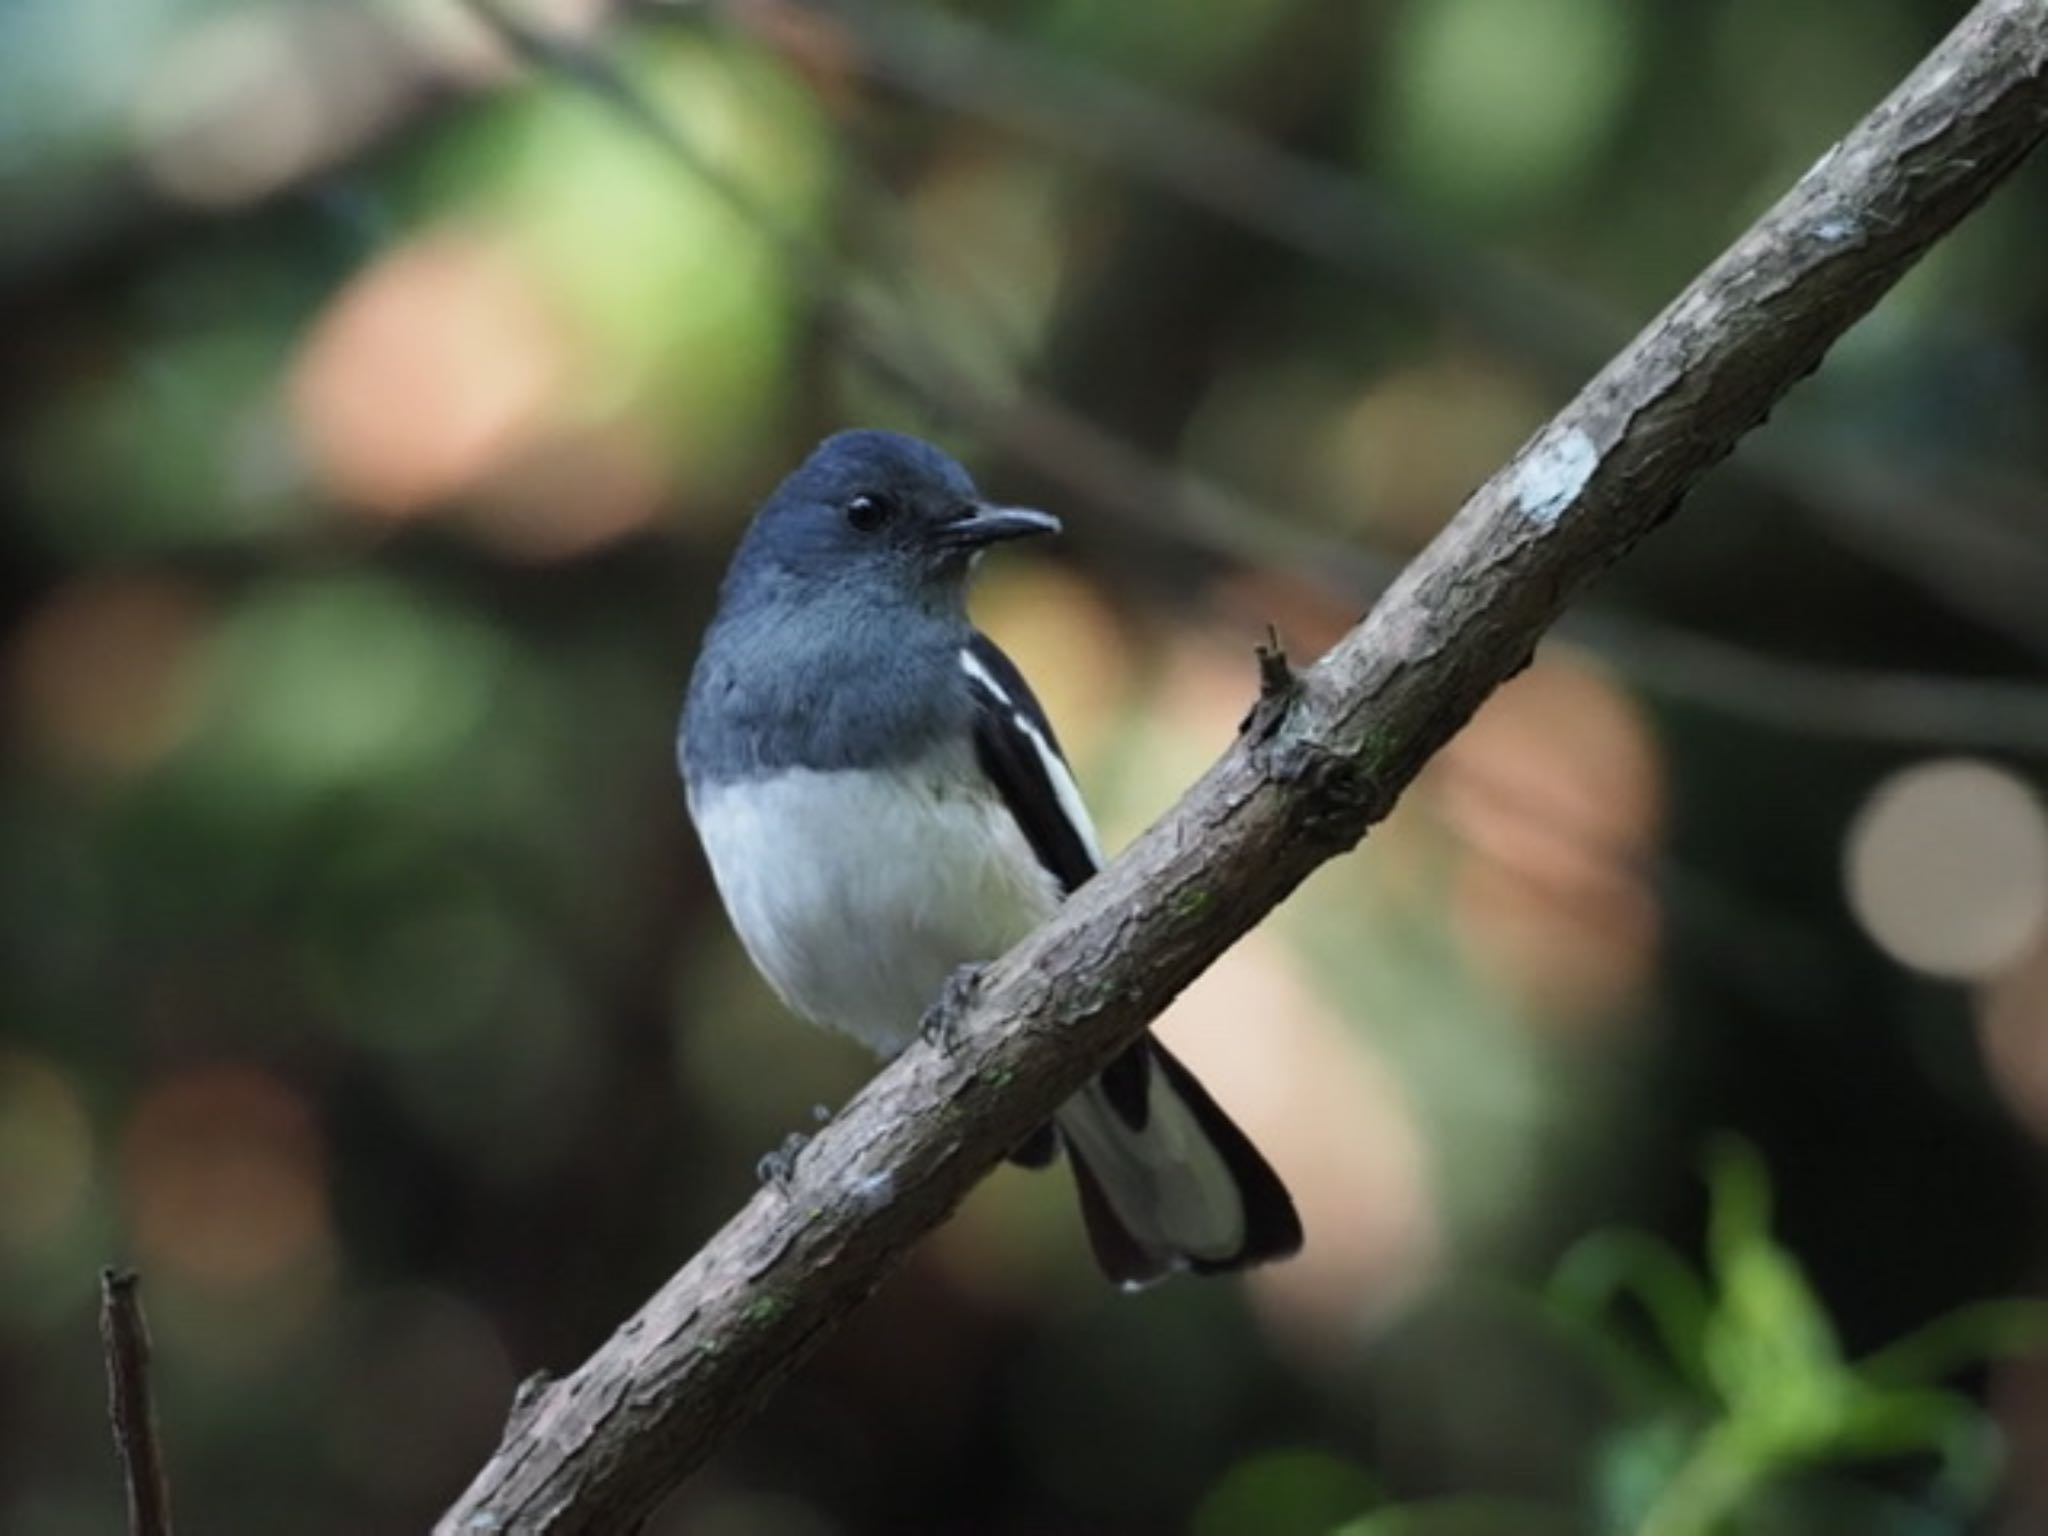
{"points": [[867, 513]]}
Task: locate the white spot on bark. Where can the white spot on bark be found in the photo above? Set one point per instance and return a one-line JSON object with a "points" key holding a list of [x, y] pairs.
{"points": [[1834, 231], [1550, 479], [874, 1189]]}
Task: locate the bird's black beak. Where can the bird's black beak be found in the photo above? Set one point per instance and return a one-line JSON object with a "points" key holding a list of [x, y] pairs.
{"points": [[991, 525]]}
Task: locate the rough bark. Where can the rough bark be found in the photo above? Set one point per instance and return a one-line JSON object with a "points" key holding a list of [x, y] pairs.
{"points": [[1320, 762], [124, 1338]]}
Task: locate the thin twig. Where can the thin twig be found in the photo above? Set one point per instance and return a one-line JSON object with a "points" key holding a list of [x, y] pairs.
{"points": [[1279, 688], [124, 1335]]}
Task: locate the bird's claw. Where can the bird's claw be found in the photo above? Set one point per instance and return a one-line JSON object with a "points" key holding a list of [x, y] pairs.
{"points": [[778, 1168], [940, 1026]]}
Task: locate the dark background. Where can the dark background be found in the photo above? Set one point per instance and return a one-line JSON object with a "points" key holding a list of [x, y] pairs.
{"points": [[376, 417]]}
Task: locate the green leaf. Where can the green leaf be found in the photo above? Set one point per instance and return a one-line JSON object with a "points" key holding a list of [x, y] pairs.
{"points": [[1607, 1267], [1285, 1493], [1770, 1347], [1985, 1330], [1467, 1517]]}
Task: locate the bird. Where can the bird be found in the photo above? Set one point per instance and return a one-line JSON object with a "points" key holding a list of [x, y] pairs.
{"points": [[885, 806]]}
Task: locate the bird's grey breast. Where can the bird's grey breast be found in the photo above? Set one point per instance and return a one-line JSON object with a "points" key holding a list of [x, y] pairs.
{"points": [[829, 685]]}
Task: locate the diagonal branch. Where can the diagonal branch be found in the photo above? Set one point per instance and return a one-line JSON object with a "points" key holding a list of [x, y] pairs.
{"points": [[600, 1447]]}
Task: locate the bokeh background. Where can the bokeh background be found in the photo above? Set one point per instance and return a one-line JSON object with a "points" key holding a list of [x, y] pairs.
{"points": [[384, 388]]}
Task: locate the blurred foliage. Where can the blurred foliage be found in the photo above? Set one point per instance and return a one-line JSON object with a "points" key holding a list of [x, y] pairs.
{"points": [[1754, 1390], [1745, 1417], [378, 414]]}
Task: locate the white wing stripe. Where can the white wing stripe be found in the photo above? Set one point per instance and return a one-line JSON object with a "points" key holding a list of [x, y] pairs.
{"points": [[971, 665], [1064, 789]]}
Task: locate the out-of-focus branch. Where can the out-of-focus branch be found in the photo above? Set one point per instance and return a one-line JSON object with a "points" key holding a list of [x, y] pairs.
{"points": [[360, 83], [352, 80], [1337, 218], [124, 1336], [1189, 511], [1329, 215], [1928, 711], [602, 1445]]}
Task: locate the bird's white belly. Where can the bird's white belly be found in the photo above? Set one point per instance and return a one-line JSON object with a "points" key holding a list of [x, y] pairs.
{"points": [[858, 893]]}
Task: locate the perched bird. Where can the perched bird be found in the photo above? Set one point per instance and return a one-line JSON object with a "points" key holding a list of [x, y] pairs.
{"points": [[883, 802]]}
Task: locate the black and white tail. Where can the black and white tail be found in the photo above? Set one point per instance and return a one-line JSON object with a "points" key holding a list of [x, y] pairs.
{"points": [[1167, 1181]]}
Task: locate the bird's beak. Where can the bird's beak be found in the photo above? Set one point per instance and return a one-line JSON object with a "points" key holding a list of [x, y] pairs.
{"points": [[991, 525]]}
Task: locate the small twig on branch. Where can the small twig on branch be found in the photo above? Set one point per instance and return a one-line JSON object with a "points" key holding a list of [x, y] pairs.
{"points": [[605, 1443], [124, 1335], [1279, 687]]}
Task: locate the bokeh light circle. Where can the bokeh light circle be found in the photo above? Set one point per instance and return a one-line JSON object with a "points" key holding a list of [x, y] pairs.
{"points": [[225, 1178], [46, 1152], [1946, 866]]}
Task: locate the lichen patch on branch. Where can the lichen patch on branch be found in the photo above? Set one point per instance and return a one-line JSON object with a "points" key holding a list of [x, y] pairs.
{"points": [[1550, 479]]}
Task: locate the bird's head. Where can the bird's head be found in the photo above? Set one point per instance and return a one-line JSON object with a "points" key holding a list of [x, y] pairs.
{"points": [[881, 510]]}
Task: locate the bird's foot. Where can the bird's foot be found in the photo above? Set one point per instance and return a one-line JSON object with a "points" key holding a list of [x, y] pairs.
{"points": [[778, 1168], [941, 1023]]}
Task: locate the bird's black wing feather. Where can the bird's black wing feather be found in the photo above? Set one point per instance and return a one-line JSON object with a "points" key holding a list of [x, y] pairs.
{"points": [[1007, 718], [1016, 747]]}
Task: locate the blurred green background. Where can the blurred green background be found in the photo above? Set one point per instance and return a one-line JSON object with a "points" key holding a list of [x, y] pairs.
{"points": [[377, 414]]}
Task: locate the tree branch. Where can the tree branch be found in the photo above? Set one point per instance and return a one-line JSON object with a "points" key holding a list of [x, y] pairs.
{"points": [[602, 1445], [124, 1337]]}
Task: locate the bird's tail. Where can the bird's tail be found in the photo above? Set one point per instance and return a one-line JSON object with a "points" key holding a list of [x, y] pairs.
{"points": [[1167, 1181]]}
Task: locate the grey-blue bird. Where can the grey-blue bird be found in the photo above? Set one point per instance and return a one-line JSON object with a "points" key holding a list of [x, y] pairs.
{"points": [[883, 802]]}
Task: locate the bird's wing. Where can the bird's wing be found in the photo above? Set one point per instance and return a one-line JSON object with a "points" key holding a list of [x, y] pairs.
{"points": [[1167, 1180], [1017, 749]]}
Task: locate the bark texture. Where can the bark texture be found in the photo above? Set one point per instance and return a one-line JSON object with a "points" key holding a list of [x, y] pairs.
{"points": [[1322, 758], [124, 1338]]}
